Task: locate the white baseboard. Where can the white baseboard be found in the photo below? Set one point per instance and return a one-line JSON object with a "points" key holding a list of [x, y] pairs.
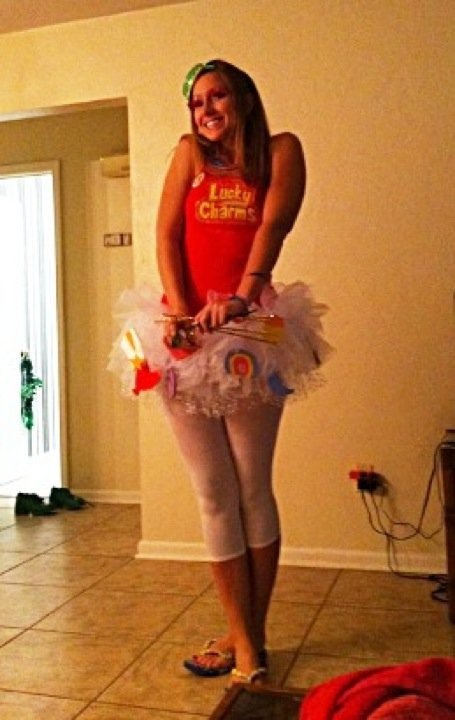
{"points": [[110, 497], [308, 557], [361, 560]]}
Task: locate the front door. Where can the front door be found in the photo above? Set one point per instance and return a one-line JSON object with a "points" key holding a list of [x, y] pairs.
{"points": [[30, 458]]}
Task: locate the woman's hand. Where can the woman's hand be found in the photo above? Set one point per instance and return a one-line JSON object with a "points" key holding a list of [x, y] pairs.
{"points": [[180, 332], [170, 329], [219, 311]]}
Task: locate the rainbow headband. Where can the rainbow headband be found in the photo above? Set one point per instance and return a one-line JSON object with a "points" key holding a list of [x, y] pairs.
{"points": [[191, 76]]}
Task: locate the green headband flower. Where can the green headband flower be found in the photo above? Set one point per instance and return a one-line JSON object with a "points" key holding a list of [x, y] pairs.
{"points": [[193, 74]]}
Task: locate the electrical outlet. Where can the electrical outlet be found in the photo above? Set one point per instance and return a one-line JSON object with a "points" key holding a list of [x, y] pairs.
{"points": [[367, 480]]}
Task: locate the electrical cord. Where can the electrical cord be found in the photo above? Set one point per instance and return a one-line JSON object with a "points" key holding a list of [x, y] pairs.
{"points": [[376, 512]]}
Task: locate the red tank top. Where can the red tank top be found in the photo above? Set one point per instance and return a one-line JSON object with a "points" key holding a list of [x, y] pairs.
{"points": [[222, 214]]}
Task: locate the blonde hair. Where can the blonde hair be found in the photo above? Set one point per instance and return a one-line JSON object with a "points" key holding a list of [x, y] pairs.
{"points": [[252, 134]]}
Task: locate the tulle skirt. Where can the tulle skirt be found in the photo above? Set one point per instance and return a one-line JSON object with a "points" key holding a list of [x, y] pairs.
{"points": [[272, 355]]}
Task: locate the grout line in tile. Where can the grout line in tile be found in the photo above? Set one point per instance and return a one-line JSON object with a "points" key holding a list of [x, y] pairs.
{"points": [[183, 611], [59, 585], [14, 567], [134, 591], [330, 590], [21, 631], [124, 670], [149, 645], [379, 608], [82, 710], [310, 627], [177, 713], [66, 602], [71, 536], [40, 694]]}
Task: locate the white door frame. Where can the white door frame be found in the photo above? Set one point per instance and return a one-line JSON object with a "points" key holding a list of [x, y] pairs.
{"points": [[38, 168]]}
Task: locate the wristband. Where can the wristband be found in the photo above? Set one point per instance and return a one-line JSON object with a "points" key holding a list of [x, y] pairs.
{"points": [[263, 275], [244, 303]]}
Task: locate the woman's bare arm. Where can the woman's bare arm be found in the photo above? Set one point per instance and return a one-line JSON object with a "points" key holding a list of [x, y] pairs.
{"points": [[281, 207], [170, 226]]}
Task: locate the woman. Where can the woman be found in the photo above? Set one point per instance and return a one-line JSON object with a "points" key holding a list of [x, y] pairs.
{"points": [[235, 346], [241, 190]]}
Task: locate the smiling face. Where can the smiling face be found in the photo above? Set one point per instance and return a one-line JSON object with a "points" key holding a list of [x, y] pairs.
{"points": [[213, 109]]}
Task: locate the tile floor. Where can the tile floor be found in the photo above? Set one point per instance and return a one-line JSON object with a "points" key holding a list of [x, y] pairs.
{"points": [[87, 631]]}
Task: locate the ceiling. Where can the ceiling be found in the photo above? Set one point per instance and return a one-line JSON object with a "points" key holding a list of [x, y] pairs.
{"points": [[19, 15]]}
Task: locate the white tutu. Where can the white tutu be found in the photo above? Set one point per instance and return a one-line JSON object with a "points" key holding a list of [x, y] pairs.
{"points": [[228, 369]]}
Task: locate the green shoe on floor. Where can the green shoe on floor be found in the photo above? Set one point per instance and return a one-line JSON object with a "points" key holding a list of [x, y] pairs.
{"points": [[32, 504], [63, 498]]}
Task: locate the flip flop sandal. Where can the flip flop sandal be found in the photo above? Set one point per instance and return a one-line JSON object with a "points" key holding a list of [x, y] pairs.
{"points": [[240, 677], [202, 670]]}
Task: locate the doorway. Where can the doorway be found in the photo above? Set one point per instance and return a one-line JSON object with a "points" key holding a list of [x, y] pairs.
{"points": [[30, 435], [99, 437]]}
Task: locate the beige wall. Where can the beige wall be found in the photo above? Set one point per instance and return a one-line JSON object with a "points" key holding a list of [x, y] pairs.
{"points": [[366, 85], [92, 275]]}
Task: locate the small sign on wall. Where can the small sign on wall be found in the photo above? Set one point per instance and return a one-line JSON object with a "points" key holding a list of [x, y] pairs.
{"points": [[118, 239]]}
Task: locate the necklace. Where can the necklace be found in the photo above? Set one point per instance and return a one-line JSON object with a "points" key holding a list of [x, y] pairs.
{"points": [[220, 162]]}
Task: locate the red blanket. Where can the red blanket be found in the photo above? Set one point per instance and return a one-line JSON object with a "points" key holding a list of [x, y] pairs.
{"points": [[421, 690]]}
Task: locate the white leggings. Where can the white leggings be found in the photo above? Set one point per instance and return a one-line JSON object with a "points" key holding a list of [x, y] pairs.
{"points": [[230, 460]]}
